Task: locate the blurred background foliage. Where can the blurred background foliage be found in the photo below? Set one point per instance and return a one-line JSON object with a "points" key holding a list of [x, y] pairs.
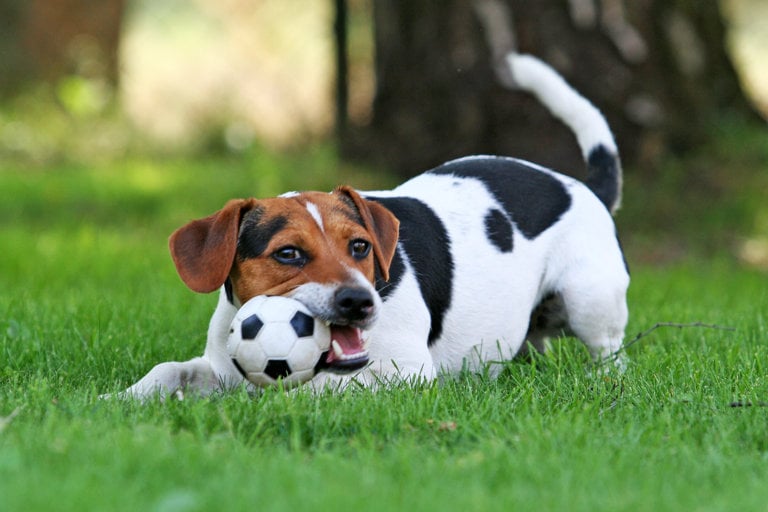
{"points": [[235, 97]]}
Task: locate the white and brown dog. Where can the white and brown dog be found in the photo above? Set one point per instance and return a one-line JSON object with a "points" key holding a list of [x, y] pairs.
{"points": [[453, 269]]}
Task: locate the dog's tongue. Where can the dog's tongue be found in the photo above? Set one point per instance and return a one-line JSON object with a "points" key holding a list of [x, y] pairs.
{"points": [[347, 351]]}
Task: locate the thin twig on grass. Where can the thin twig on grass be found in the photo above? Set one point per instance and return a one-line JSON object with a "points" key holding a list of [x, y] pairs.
{"points": [[645, 333], [6, 420]]}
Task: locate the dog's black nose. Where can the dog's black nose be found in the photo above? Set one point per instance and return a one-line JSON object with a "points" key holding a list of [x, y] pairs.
{"points": [[354, 303]]}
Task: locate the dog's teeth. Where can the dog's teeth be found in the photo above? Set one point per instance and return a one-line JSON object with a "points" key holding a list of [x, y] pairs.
{"points": [[337, 349], [327, 323]]}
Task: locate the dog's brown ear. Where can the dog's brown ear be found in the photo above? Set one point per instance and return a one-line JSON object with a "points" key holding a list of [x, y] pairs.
{"points": [[204, 250], [381, 223]]}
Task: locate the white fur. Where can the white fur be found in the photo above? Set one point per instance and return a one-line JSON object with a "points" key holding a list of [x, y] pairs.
{"points": [[315, 213]]}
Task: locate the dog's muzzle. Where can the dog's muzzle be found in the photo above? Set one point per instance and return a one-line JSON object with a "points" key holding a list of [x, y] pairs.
{"points": [[347, 310], [353, 306]]}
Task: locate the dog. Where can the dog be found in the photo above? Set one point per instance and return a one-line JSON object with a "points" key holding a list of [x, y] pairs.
{"points": [[454, 269]]}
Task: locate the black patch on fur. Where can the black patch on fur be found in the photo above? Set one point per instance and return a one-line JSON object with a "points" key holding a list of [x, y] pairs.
{"points": [[498, 230], [256, 233], [228, 290], [533, 199], [424, 242], [604, 175], [396, 270]]}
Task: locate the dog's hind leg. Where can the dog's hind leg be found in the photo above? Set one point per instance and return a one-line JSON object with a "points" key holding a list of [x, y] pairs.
{"points": [[597, 314]]}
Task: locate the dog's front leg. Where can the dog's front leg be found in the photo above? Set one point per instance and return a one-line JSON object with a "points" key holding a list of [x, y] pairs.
{"points": [[165, 379], [201, 375]]}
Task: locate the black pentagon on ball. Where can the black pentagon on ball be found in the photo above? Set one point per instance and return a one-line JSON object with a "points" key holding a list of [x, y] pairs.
{"points": [[277, 368], [303, 324], [250, 327]]}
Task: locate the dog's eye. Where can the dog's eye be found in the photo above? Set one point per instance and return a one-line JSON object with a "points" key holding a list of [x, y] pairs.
{"points": [[359, 248], [290, 256]]}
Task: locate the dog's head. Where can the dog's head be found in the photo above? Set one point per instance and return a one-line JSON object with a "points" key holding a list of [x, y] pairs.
{"points": [[324, 250]]}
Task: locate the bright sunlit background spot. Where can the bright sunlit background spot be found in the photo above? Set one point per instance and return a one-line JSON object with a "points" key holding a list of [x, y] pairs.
{"points": [[194, 67], [749, 46]]}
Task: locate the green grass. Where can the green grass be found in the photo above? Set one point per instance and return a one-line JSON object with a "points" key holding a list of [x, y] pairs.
{"points": [[89, 301]]}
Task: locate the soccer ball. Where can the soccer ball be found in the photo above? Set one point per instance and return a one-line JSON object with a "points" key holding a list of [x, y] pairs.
{"points": [[277, 338]]}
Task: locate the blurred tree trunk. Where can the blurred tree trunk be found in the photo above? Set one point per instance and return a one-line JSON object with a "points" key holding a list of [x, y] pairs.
{"points": [[658, 69], [49, 39], [342, 66]]}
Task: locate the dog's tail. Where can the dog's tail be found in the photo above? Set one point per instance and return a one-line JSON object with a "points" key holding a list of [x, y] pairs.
{"points": [[604, 176]]}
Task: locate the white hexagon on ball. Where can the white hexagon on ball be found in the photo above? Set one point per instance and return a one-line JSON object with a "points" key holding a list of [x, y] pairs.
{"points": [[276, 338]]}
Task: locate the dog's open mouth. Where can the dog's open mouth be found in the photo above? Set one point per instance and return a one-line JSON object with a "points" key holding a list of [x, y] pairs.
{"points": [[347, 352]]}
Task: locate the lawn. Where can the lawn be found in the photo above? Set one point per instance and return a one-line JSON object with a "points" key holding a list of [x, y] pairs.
{"points": [[89, 301]]}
